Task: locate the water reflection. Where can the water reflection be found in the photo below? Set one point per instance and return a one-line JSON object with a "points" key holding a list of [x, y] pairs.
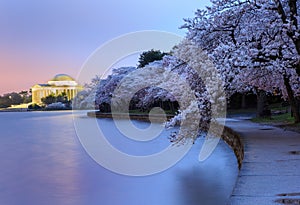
{"points": [[42, 162]]}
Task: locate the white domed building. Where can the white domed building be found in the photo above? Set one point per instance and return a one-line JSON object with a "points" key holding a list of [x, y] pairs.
{"points": [[61, 83]]}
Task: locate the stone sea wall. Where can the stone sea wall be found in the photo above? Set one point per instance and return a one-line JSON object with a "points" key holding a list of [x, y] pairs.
{"points": [[233, 139], [141, 117]]}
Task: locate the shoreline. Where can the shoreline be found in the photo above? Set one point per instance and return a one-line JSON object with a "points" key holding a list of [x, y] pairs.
{"points": [[132, 116], [14, 110], [30, 110]]}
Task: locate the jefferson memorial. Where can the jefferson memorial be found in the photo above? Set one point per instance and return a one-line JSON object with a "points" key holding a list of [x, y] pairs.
{"points": [[61, 83]]}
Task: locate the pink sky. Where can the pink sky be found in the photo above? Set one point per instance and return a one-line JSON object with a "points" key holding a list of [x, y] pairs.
{"points": [[21, 71], [39, 40]]}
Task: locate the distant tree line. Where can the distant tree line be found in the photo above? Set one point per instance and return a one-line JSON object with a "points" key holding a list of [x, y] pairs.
{"points": [[14, 98]]}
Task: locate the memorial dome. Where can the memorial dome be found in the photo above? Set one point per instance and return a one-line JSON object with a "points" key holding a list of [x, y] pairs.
{"points": [[62, 77]]}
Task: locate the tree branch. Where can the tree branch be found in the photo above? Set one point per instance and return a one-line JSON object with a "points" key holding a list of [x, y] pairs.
{"points": [[281, 11], [293, 12]]}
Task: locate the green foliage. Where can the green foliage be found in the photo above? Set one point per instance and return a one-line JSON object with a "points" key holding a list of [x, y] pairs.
{"points": [[9, 99], [28, 99], [5, 102], [26, 96], [63, 98], [49, 99], [150, 56], [54, 99], [14, 98], [283, 118]]}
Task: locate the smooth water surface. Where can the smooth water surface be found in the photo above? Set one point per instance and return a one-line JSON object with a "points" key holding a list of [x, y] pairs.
{"points": [[43, 163]]}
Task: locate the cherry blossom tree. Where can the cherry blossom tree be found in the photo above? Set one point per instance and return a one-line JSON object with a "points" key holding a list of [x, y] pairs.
{"points": [[106, 87], [85, 99], [99, 90], [254, 43], [176, 78]]}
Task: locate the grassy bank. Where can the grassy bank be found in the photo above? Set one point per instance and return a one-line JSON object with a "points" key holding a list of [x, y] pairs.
{"points": [[284, 121]]}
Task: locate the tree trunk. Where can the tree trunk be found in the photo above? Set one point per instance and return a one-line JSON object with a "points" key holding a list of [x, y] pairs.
{"points": [[292, 99], [262, 104], [172, 107], [293, 16], [244, 106]]}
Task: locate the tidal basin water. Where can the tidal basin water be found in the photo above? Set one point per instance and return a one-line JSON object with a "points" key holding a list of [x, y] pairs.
{"points": [[43, 163]]}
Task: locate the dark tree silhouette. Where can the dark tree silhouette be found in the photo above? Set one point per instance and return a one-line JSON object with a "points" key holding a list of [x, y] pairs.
{"points": [[150, 56]]}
